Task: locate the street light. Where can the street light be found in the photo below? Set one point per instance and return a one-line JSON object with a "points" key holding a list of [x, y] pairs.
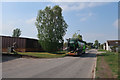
{"points": [[77, 31]]}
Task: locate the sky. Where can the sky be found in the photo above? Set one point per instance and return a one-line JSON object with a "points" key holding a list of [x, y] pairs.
{"points": [[93, 20]]}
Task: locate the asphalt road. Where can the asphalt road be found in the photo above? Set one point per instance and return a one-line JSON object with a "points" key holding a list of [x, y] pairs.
{"points": [[67, 67]]}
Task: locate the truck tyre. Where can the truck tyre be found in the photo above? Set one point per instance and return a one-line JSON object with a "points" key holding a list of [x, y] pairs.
{"points": [[83, 52]]}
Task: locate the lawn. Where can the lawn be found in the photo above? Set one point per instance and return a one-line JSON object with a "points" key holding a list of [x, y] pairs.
{"points": [[110, 59], [44, 54], [101, 50]]}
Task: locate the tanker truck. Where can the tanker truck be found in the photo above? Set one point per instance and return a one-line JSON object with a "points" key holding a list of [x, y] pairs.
{"points": [[75, 46]]}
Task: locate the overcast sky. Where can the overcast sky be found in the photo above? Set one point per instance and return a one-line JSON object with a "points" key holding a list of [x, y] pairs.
{"points": [[94, 20]]}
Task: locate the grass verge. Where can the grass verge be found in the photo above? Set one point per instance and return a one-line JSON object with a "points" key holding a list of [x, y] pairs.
{"points": [[44, 54], [107, 65], [101, 50]]}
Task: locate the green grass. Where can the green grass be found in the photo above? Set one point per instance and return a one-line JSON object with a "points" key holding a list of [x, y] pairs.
{"points": [[97, 67], [44, 54], [112, 59], [101, 50]]}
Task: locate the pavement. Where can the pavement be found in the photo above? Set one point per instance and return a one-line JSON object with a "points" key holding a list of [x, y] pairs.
{"points": [[67, 67]]}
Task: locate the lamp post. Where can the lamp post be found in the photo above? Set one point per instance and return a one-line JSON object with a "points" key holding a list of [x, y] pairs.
{"points": [[77, 31]]}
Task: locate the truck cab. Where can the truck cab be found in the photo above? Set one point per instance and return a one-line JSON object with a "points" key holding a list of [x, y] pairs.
{"points": [[76, 46]]}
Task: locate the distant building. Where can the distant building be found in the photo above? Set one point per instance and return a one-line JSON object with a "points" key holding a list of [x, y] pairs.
{"points": [[111, 43], [21, 44], [104, 46]]}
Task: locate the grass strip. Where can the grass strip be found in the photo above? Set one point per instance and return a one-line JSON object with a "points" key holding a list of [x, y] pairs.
{"points": [[43, 54], [101, 50], [111, 58]]}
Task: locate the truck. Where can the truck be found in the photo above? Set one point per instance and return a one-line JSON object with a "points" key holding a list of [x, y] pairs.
{"points": [[75, 46]]}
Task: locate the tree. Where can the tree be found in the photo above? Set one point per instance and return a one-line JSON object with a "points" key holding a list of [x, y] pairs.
{"points": [[77, 36], [96, 44], [65, 44], [51, 28], [114, 48], [101, 46], [16, 32], [74, 35], [90, 45]]}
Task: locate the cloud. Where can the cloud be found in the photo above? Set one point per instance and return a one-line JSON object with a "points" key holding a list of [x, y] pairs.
{"points": [[72, 6], [94, 4], [86, 16], [116, 22], [79, 6], [31, 21], [90, 14], [83, 19]]}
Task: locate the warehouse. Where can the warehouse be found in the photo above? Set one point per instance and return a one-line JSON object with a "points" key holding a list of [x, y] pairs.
{"points": [[20, 44]]}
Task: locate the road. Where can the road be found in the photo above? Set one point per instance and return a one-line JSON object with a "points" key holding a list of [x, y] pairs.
{"points": [[67, 67]]}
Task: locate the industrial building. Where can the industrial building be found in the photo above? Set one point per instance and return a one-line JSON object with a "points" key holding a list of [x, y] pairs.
{"points": [[20, 44]]}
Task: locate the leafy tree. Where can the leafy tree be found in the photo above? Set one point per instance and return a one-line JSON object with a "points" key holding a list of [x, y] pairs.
{"points": [[51, 28], [90, 45], [77, 36], [101, 46], [74, 35], [114, 48], [16, 32], [96, 44]]}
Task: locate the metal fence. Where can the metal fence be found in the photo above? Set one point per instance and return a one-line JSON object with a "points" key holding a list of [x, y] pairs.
{"points": [[21, 44]]}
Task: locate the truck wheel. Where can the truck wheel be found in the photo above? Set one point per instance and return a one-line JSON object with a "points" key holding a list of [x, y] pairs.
{"points": [[78, 53], [84, 52]]}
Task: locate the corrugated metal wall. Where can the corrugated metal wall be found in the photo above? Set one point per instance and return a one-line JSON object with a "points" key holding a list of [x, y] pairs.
{"points": [[8, 42], [22, 44], [33, 45]]}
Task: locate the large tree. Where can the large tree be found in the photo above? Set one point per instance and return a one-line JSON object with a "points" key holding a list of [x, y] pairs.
{"points": [[16, 32], [51, 28]]}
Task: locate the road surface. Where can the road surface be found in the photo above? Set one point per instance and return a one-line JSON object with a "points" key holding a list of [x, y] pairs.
{"points": [[67, 67]]}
